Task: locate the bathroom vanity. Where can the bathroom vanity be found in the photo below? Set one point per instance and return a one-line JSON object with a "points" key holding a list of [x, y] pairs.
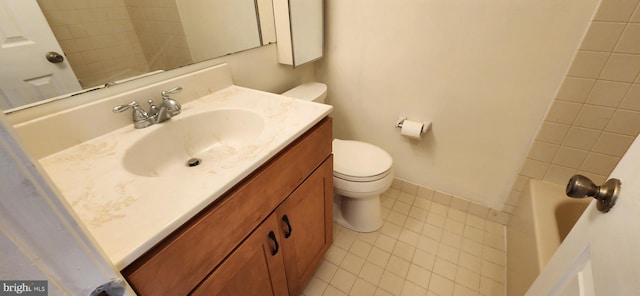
{"points": [[263, 237], [252, 216]]}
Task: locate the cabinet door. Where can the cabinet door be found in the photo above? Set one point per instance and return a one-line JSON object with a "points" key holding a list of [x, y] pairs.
{"points": [[305, 219], [255, 268]]}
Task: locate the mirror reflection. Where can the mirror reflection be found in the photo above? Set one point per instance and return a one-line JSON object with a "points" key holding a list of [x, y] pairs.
{"points": [[53, 48]]}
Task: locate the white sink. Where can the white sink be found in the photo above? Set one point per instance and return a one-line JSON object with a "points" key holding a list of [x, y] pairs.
{"points": [[184, 143]]}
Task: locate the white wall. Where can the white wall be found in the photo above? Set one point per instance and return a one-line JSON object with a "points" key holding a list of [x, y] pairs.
{"points": [[485, 72]]}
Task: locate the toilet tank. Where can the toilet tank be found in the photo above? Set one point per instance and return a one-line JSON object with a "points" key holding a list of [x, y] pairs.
{"points": [[310, 91]]}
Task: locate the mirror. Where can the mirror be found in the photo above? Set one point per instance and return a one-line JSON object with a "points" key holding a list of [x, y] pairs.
{"points": [[94, 43]]}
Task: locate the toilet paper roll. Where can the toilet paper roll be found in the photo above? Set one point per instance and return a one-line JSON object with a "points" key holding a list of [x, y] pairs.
{"points": [[412, 130]]}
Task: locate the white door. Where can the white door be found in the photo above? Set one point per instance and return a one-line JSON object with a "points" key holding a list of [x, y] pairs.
{"points": [[601, 254], [26, 76], [40, 240]]}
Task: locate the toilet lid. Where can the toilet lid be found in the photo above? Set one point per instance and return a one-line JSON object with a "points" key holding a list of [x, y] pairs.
{"points": [[356, 160]]}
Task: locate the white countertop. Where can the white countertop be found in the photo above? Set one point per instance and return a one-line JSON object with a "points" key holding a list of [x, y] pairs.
{"points": [[127, 214]]}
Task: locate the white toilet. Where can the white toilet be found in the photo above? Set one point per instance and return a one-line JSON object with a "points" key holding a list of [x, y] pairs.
{"points": [[361, 172]]}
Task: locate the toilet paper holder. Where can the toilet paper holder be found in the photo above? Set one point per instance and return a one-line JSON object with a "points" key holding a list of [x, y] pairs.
{"points": [[426, 125], [400, 121]]}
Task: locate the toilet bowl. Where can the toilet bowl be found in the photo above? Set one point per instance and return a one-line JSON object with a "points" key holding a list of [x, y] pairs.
{"points": [[361, 172]]}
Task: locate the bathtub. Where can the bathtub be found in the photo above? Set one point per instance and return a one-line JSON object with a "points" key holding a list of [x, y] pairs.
{"points": [[541, 220]]}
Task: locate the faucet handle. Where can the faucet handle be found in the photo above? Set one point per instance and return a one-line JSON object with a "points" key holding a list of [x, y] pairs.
{"points": [[140, 117], [122, 108], [175, 90]]}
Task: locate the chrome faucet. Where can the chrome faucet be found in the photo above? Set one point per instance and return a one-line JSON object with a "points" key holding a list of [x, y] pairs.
{"points": [[141, 118]]}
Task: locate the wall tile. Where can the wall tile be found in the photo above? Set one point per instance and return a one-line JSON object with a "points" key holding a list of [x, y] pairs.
{"points": [[588, 64], [570, 157], [594, 117], [621, 67], [552, 132], [635, 18], [632, 100], [602, 36], [575, 89], [534, 168], [615, 10], [599, 164], [581, 138], [613, 144], [559, 174], [563, 112], [599, 81], [543, 151], [521, 183], [625, 122], [608, 93], [630, 40]]}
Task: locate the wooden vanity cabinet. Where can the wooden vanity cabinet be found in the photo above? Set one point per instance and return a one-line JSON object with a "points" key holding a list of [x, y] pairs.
{"points": [[281, 255], [227, 248], [255, 268]]}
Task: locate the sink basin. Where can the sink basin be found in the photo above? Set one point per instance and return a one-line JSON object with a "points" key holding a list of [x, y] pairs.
{"points": [[195, 143]]}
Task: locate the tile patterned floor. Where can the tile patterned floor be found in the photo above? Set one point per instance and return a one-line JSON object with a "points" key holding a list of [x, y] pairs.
{"points": [[423, 248]]}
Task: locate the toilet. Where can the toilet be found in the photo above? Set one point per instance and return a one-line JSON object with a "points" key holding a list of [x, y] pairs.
{"points": [[361, 172]]}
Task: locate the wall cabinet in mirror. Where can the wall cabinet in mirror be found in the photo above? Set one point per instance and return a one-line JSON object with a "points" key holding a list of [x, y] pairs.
{"points": [[299, 30]]}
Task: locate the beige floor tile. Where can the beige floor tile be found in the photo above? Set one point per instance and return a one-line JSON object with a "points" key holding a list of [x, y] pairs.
{"points": [[391, 283], [397, 218], [428, 244], [360, 248], [326, 270], [445, 268], [404, 251], [494, 255], [436, 220], [441, 285], [391, 230], [413, 224], [419, 276], [362, 288], [411, 289], [461, 290], [493, 271], [423, 248], [335, 255], [424, 259], [343, 280], [352, 263], [489, 287], [398, 266], [409, 237], [385, 243], [468, 278], [402, 207], [448, 253], [315, 287], [432, 231], [333, 291], [371, 273], [470, 262], [378, 257]]}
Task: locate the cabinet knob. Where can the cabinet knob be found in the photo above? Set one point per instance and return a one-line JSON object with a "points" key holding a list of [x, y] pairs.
{"points": [[285, 219], [276, 247]]}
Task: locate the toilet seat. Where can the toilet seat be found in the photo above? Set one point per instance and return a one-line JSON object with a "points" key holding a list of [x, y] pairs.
{"points": [[357, 161]]}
